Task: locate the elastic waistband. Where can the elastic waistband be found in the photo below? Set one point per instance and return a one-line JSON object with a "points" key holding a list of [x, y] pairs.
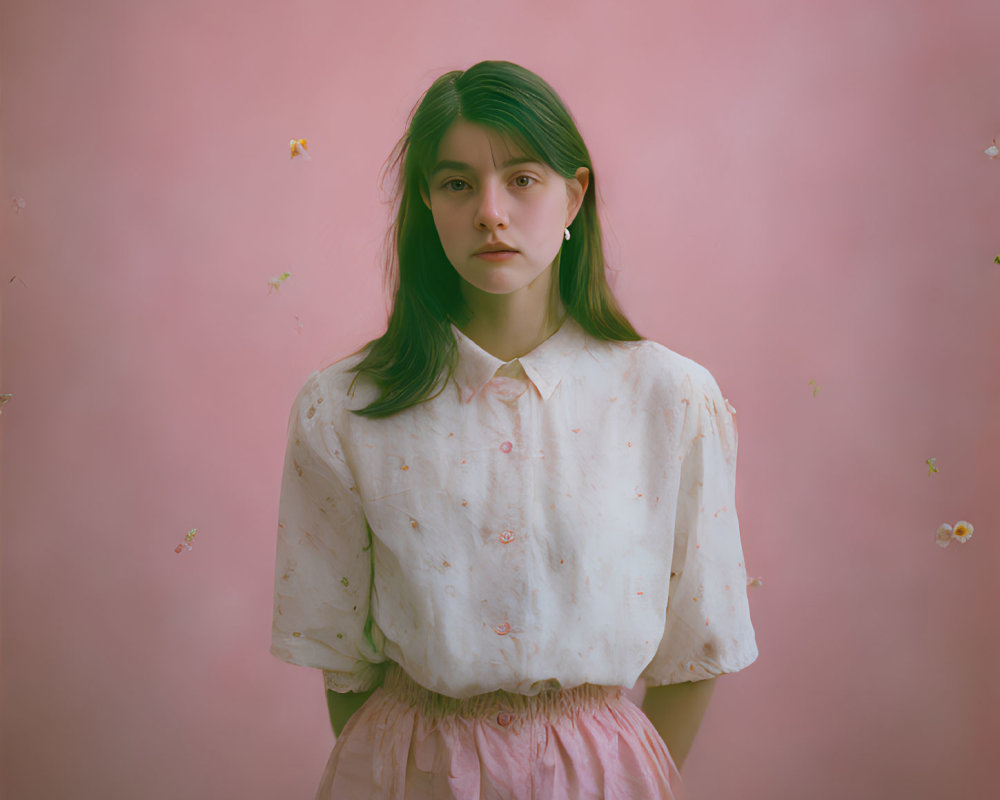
{"points": [[548, 703]]}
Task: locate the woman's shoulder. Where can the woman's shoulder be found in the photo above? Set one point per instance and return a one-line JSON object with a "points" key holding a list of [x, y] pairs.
{"points": [[654, 365], [337, 387]]}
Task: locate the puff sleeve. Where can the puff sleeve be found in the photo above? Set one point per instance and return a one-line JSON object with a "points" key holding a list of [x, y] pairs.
{"points": [[707, 630], [323, 567]]}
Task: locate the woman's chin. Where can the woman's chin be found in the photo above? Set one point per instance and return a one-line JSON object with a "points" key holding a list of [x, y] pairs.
{"points": [[497, 282], [502, 280]]}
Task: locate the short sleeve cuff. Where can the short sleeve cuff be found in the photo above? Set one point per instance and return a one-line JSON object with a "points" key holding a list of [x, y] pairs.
{"points": [[700, 669], [365, 678]]}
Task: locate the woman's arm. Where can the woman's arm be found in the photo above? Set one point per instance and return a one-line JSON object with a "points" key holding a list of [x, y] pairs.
{"points": [[342, 705], [676, 711]]}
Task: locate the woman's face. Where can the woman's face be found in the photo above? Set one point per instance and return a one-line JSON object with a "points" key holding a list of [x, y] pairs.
{"points": [[500, 215]]}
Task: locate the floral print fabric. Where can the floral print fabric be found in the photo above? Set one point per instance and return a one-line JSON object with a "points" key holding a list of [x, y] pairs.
{"points": [[564, 518]]}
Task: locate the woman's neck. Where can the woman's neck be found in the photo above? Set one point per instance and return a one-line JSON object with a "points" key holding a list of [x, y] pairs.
{"points": [[510, 325]]}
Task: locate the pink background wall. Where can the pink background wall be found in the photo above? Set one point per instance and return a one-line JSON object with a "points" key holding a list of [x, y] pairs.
{"points": [[793, 192]]}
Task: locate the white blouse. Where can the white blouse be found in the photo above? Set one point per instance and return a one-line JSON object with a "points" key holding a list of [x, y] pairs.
{"points": [[564, 518]]}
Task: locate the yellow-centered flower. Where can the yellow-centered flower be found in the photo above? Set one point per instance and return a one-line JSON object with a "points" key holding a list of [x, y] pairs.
{"points": [[962, 532]]}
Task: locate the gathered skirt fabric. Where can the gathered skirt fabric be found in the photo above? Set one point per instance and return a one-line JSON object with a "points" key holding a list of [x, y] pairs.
{"points": [[584, 743]]}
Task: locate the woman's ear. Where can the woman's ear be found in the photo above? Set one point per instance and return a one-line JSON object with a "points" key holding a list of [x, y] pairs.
{"points": [[576, 190]]}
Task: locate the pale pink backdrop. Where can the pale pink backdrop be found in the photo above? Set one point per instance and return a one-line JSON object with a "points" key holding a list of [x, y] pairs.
{"points": [[795, 194]]}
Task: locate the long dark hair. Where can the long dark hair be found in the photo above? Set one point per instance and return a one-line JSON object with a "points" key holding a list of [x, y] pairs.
{"points": [[412, 361]]}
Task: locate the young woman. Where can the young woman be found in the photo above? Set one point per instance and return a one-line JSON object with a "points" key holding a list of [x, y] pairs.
{"points": [[509, 506]]}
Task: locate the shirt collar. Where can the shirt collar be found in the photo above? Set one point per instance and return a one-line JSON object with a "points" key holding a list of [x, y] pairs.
{"points": [[544, 366]]}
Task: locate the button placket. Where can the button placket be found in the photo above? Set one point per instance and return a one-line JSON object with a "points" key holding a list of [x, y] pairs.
{"points": [[507, 395]]}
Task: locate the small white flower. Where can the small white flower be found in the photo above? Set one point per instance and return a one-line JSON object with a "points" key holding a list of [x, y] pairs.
{"points": [[944, 535], [993, 151], [962, 532], [300, 148]]}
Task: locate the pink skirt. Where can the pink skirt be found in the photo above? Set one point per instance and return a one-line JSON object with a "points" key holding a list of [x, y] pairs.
{"points": [[407, 743]]}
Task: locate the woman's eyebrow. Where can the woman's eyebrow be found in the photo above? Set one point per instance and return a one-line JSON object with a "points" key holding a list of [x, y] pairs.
{"points": [[461, 166], [456, 166]]}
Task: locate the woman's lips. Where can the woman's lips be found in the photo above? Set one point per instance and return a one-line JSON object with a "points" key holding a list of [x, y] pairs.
{"points": [[496, 255]]}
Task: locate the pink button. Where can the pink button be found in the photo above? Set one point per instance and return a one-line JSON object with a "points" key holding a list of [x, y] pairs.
{"points": [[507, 537], [506, 447], [504, 718], [502, 629]]}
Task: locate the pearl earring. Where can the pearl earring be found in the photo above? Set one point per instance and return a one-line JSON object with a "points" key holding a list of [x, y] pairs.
{"points": [[566, 234]]}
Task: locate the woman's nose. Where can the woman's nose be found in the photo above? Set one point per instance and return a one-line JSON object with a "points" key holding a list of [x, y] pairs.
{"points": [[491, 212]]}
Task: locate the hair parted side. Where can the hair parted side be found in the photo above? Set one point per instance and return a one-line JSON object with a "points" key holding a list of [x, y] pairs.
{"points": [[413, 360]]}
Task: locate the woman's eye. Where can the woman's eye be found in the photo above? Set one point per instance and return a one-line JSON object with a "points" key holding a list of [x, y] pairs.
{"points": [[523, 181], [456, 184]]}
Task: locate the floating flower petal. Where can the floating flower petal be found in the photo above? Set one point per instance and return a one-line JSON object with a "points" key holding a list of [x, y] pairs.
{"points": [[275, 283], [931, 466], [815, 387], [993, 151], [18, 204], [962, 531], [755, 582], [300, 148], [4, 398], [944, 535]]}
